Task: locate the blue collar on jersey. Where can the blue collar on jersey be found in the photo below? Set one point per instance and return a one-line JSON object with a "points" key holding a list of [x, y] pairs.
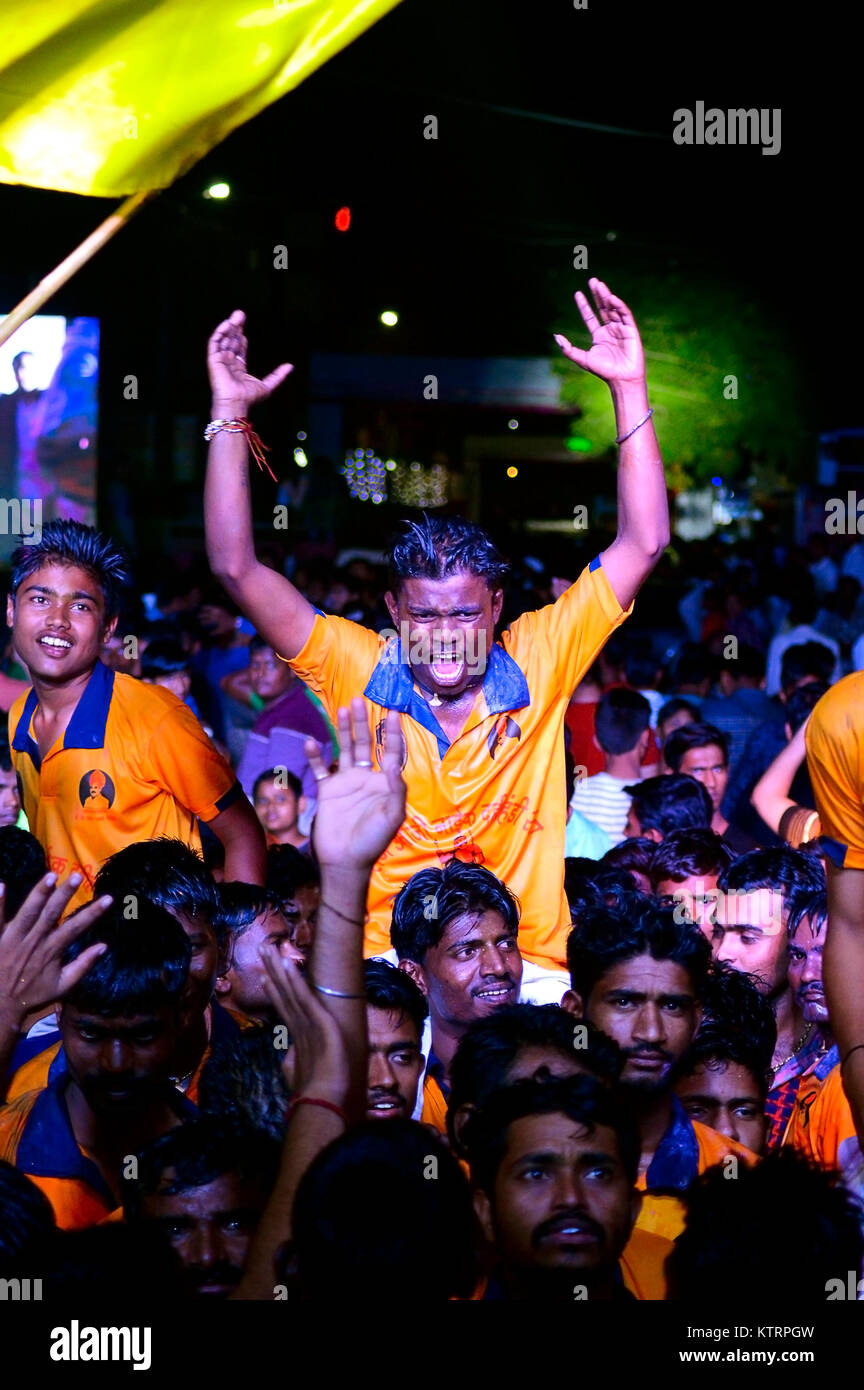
{"points": [[86, 728], [391, 685], [676, 1161]]}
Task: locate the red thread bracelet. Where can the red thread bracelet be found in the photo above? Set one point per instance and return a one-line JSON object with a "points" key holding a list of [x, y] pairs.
{"points": [[314, 1100]]}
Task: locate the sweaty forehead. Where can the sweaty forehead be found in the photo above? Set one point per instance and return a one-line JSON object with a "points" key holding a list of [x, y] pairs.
{"points": [[645, 975], [452, 592], [474, 926]]}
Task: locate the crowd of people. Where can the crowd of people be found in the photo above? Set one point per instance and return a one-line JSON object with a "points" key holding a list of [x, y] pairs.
{"points": [[412, 929]]}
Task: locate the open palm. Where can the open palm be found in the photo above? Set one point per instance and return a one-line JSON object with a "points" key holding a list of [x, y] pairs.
{"points": [[359, 809], [615, 353]]}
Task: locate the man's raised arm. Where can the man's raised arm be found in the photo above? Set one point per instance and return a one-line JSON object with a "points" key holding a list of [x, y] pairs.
{"points": [[278, 611], [616, 357]]}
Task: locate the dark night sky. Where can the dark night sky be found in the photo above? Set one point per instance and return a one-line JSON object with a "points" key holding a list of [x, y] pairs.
{"points": [[470, 236]]}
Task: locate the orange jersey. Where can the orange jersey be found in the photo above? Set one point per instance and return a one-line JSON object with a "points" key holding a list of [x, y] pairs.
{"points": [[662, 1212], [822, 1126], [133, 764], [496, 795], [835, 762], [434, 1105], [643, 1265]]}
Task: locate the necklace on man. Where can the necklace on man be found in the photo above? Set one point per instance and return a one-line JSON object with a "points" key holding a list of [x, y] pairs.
{"points": [[805, 1037]]}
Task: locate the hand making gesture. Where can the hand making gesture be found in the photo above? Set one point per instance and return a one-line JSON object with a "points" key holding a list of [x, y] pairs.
{"points": [[615, 354], [32, 945], [359, 809], [226, 363]]}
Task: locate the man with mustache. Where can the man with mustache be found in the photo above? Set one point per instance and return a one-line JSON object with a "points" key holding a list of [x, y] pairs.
{"points": [[204, 1186], [553, 1164], [396, 1011], [640, 976], [120, 1027]]}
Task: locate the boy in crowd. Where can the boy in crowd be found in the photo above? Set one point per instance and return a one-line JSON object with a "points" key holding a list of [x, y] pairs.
{"points": [[622, 729], [103, 759], [277, 796], [684, 871], [702, 752]]}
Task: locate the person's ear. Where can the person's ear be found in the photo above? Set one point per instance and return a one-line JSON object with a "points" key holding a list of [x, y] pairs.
{"points": [[185, 684], [654, 835], [497, 604], [416, 973], [301, 805], [644, 740], [571, 1002], [10, 611], [698, 1011], [483, 1212], [110, 629], [459, 1120], [392, 608]]}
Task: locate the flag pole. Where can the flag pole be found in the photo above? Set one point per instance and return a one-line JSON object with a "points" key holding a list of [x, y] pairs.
{"points": [[73, 263]]}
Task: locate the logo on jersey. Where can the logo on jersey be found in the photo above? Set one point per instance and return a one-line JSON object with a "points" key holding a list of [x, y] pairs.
{"points": [[505, 728], [380, 737], [95, 788]]}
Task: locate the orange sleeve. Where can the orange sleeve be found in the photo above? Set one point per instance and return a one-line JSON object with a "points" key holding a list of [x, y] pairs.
{"points": [[565, 637], [337, 661], [831, 1123], [834, 762], [184, 763]]}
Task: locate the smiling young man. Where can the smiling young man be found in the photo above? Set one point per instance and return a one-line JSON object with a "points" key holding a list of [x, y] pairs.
{"points": [[103, 759], [455, 932], [481, 719]]}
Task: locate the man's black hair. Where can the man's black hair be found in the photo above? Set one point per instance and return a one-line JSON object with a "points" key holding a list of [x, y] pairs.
{"points": [[164, 657], [579, 886], [22, 866], [748, 664], [6, 764], [676, 705], [390, 989], [242, 1083], [385, 1208], [640, 661], [634, 856], [581, 1098], [167, 872], [621, 718], [432, 898], [490, 1046], [284, 777], [689, 854], [787, 871], [288, 869], [803, 701], [806, 659], [714, 1048], [437, 546], [733, 1007], [673, 802], [144, 968], [815, 907], [605, 938], [197, 1153], [240, 904], [782, 1226], [615, 887], [680, 741], [71, 543]]}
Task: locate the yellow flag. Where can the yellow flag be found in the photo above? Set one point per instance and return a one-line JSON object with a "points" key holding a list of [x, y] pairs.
{"points": [[111, 97]]}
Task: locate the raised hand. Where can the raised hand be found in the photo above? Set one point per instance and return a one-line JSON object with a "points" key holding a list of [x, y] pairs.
{"points": [[32, 973], [359, 809], [226, 362], [615, 354]]}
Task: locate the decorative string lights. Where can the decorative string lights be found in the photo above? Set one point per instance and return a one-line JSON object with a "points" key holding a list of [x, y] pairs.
{"points": [[366, 476], [411, 485]]}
